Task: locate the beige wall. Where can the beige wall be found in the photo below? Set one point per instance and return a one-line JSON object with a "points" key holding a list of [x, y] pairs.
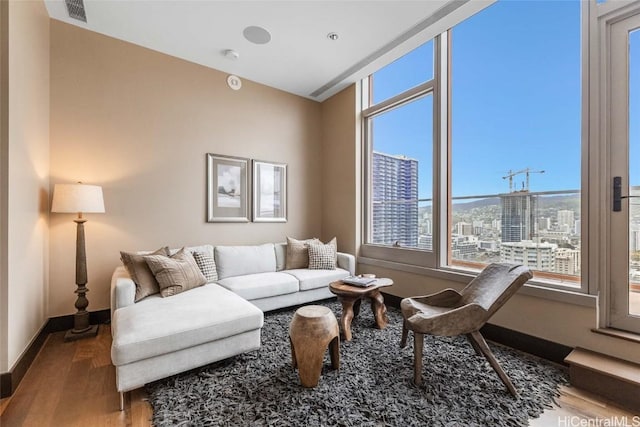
{"points": [[341, 185], [28, 175], [139, 123], [562, 323]]}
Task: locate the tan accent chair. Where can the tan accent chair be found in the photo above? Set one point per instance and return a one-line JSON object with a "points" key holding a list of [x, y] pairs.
{"points": [[450, 313]]}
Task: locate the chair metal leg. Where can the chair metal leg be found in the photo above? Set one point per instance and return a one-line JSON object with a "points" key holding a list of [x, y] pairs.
{"points": [[486, 351], [405, 332], [122, 400], [418, 340]]}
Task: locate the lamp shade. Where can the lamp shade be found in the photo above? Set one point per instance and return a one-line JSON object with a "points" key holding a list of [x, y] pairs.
{"points": [[75, 198]]}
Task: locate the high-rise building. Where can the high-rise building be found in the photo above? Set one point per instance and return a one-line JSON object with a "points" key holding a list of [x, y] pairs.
{"points": [[566, 218], [568, 261], [518, 216], [544, 223], [634, 238], [463, 247], [395, 200], [478, 227], [464, 228], [538, 256]]}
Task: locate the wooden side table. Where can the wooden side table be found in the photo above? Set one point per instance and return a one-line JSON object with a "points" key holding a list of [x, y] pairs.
{"points": [[351, 296], [312, 329]]}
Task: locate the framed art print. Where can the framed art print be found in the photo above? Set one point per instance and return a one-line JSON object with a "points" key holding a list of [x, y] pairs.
{"points": [[269, 191], [228, 188]]}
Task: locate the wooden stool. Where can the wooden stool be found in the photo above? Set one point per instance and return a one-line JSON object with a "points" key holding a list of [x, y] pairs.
{"points": [[313, 329]]}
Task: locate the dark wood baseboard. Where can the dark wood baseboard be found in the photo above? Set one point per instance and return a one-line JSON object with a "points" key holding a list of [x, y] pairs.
{"points": [[9, 380], [63, 323], [528, 343]]}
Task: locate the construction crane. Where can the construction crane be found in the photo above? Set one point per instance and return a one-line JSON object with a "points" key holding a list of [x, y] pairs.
{"points": [[511, 174]]}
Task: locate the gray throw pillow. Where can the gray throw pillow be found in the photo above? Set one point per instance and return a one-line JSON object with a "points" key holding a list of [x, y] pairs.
{"points": [[177, 273], [298, 253], [323, 257], [146, 283], [207, 265]]}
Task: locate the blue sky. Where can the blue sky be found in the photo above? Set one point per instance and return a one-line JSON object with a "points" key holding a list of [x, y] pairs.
{"points": [[516, 99]]}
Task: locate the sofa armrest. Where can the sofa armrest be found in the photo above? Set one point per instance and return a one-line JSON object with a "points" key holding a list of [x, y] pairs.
{"points": [[348, 262], [123, 289]]}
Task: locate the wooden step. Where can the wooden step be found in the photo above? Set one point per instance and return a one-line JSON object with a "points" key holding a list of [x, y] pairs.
{"points": [[614, 379]]}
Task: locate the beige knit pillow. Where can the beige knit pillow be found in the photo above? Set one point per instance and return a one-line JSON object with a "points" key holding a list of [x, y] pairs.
{"points": [[176, 273], [146, 283], [323, 257], [298, 253]]}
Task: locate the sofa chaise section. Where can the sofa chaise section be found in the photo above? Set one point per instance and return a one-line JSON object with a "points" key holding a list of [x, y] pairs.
{"points": [[159, 337]]}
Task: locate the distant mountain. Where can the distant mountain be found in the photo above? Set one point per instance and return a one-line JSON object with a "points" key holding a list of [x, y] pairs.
{"points": [[562, 201], [559, 202], [482, 203]]}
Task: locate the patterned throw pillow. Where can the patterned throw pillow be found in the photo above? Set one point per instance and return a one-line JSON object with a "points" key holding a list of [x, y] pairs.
{"points": [[207, 266], [298, 253], [146, 283], [323, 257], [176, 273]]}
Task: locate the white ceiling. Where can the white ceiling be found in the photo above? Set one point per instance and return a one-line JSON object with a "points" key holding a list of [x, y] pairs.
{"points": [[299, 59]]}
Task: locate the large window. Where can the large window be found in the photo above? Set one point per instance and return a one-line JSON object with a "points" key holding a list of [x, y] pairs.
{"points": [[516, 138], [502, 91], [400, 147], [401, 174]]}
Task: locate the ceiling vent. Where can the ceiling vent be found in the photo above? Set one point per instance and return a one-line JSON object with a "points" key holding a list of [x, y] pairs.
{"points": [[76, 10]]}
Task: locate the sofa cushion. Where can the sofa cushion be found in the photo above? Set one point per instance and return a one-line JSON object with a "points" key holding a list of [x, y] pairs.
{"points": [[157, 326], [298, 253], [177, 273], [141, 274], [240, 260], [312, 279], [323, 257], [261, 285]]}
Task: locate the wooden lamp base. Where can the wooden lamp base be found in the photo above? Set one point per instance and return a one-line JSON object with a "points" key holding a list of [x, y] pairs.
{"points": [[71, 335], [81, 327]]}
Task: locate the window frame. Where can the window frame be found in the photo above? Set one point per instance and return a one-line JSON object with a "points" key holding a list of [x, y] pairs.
{"points": [[412, 256], [435, 262]]}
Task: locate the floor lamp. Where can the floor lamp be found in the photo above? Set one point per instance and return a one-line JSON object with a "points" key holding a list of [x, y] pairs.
{"points": [[79, 198]]}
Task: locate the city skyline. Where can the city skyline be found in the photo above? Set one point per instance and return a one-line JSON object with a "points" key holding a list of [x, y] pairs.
{"points": [[542, 232]]}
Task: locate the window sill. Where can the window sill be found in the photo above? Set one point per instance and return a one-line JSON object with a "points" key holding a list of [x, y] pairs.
{"points": [[530, 289], [616, 333]]}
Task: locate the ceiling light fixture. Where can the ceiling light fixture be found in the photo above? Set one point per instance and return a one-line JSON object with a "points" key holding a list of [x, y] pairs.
{"points": [[231, 54], [332, 36]]}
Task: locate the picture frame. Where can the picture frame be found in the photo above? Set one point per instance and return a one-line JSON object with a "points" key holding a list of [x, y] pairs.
{"points": [[269, 191], [228, 188]]}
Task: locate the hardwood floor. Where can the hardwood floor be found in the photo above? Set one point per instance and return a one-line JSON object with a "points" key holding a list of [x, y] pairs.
{"points": [[73, 384]]}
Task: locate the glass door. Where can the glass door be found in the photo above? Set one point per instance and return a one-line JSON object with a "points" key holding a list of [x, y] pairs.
{"points": [[625, 179]]}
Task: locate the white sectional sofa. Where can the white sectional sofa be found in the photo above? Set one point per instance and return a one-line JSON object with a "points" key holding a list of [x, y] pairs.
{"points": [[158, 337]]}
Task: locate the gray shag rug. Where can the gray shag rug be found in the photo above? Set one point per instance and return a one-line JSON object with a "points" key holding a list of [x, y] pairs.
{"points": [[373, 386]]}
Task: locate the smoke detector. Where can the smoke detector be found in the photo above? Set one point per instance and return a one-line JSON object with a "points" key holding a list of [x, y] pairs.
{"points": [[231, 54]]}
